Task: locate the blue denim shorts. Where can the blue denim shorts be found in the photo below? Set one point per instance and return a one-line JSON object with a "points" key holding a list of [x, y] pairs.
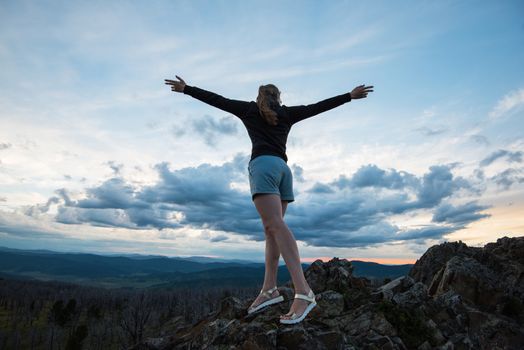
{"points": [[270, 174]]}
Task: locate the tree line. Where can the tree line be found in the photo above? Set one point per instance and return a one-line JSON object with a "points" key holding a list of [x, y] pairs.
{"points": [[57, 315]]}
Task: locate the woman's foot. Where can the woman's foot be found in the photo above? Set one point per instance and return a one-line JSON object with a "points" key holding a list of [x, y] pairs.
{"points": [[298, 306], [263, 297]]}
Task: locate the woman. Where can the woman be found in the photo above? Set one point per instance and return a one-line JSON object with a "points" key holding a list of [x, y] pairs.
{"points": [[268, 123]]}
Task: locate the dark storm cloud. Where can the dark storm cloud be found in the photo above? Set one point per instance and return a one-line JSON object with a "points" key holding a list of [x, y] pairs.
{"points": [[461, 214], [511, 156], [348, 211], [372, 176], [112, 194], [438, 184], [430, 190], [202, 194]]}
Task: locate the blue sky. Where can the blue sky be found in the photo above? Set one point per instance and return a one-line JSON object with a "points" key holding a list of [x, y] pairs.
{"points": [[98, 155]]}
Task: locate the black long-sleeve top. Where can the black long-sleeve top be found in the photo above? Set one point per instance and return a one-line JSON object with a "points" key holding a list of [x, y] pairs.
{"points": [[265, 138]]}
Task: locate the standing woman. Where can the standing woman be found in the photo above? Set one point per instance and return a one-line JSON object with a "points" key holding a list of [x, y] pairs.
{"points": [[268, 123]]}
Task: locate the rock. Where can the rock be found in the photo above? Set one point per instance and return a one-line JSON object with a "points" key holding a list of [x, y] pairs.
{"points": [[489, 278], [448, 346], [260, 341], [471, 280], [331, 339], [231, 307], [425, 346], [509, 248], [387, 291], [398, 343], [438, 337], [331, 303], [336, 275], [381, 342], [294, 338], [413, 297], [455, 297], [435, 257]]}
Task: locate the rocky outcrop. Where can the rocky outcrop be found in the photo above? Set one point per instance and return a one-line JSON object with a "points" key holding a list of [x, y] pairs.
{"points": [[454, 297], [487, 278]]}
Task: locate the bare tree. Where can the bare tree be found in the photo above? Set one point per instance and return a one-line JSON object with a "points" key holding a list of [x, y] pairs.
{"points": [[135, 317]]}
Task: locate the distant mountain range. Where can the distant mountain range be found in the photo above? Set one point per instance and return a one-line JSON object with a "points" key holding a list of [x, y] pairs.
{"points": [[154, 271]]}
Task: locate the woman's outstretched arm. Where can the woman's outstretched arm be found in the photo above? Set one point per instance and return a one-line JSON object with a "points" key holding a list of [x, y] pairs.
{"points": [[236, 107], [298, 113]]}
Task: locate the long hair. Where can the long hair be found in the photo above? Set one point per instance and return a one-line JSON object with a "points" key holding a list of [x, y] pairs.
{"points": [[268, 98]]}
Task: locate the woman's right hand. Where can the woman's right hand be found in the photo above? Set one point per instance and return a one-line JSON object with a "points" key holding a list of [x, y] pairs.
{"points": [[361, 91], [177, 86]]}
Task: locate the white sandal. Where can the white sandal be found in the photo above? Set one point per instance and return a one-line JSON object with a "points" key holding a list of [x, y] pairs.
{"points": [[267, 293], [309, 297]]}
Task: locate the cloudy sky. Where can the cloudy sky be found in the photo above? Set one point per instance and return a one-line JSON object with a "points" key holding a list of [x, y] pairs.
{"points": [[98, 155]]}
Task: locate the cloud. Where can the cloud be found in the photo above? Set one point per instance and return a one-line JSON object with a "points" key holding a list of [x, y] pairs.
{"points": [[508, 177], [439, 184], [28, 232], [107, 217], [112, 194], [298, 173], [426, 131], [4, 145], [512, 157], [434, 186], [209, 129], [36, 210], [355, 211], [348, 211], [480, 139], [178, 131], [199, 197], [511, 102], [320, 188], [219, 238], [428, 232], [461, 214], [372, 176], [117, 168]]}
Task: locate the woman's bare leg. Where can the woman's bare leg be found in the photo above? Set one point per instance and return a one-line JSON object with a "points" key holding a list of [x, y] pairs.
{"points": [[272, 259], [270, 209]]}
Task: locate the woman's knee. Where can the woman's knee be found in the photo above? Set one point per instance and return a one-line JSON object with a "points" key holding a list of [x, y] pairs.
{"points": [[273, 225]]}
